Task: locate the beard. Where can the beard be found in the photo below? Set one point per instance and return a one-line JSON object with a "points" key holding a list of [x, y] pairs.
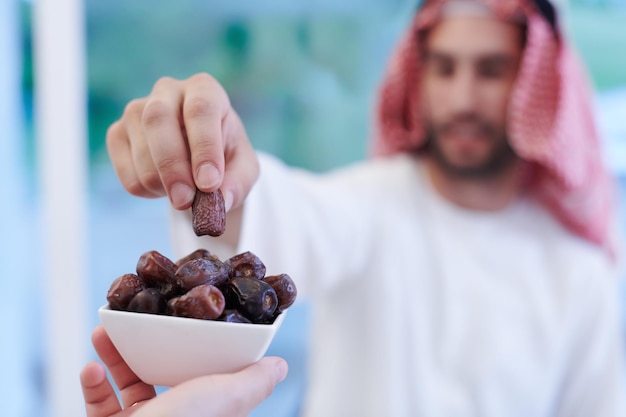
{"points": [[500, 157]]}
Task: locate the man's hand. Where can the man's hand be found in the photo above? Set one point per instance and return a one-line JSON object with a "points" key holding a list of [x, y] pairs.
{"points": [[184, 135]]}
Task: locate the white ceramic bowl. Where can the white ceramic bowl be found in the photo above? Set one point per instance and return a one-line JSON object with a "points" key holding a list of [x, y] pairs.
{"points": [[165, 350]]}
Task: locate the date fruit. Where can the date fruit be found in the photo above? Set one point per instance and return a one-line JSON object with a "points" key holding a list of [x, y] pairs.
{"points": [[200, 285], [197, 254], [245, 264], [201, 271], [252, 297], [123, 289], [158, 271], [233, 316], [202, 302], [285, 290], [149, 301], [208, 213]]}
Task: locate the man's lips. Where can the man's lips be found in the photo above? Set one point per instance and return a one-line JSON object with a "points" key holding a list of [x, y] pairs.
{"points": [[461, 130]]}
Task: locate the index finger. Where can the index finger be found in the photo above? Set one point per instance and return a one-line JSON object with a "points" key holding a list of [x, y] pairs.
{"points": [[205, 107], [162, 128]]}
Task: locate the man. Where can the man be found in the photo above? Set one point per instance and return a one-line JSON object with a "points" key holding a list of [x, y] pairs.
{"points": [[469, 269]]}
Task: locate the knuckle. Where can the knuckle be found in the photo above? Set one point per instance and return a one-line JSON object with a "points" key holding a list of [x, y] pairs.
{"points": [[164, 82], [206, 151], [203, 77], [166, 165], [113, 134], [134, 187], [151, 180], [134, 107], [199, 107], [156, 112]]}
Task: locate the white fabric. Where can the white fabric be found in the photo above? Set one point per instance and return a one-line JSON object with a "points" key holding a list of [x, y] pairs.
{"points": [[425, 309]]}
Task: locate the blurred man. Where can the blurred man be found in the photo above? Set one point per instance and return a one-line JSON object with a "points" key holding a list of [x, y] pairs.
{"points": [[469, 269]]}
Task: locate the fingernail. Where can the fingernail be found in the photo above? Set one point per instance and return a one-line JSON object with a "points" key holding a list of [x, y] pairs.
{"points": [[181, 194], [281, 371], [228, 200], [208, 176]]}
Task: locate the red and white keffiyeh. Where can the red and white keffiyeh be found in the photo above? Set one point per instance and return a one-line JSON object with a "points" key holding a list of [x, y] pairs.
{"points": [[550, 119]]}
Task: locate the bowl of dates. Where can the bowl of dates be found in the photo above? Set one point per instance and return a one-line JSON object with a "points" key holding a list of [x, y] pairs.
{"points": [[173, 321]]}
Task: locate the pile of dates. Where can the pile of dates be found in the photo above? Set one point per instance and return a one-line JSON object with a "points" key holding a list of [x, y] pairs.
{"points": [[202, 286]]}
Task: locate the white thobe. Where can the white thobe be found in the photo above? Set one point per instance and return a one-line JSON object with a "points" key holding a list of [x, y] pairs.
{"points": [[422, 308]]}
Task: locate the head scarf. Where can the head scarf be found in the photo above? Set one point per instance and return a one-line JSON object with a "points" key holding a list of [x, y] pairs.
{"points": [[550, 119]]}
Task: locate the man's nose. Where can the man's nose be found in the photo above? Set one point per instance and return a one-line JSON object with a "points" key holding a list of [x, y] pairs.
{"points": [[464, 92]]}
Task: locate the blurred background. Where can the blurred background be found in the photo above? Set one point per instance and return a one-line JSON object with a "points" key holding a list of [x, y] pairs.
{"points": [[302, 75]]}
